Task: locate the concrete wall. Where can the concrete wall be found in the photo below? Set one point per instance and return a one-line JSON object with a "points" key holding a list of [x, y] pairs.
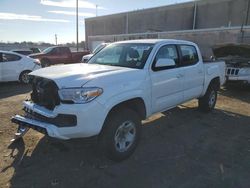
{"points": [[205, 38], [209, 14], [222, 13], [166, 21]]}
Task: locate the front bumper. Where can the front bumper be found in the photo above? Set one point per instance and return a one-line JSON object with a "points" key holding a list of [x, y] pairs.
{"points": [[90, 118], [243, 79]]}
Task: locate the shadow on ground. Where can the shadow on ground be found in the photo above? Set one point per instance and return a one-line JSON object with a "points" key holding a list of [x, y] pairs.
{"points": [[183, 148], [240, 92], [10, 89]]}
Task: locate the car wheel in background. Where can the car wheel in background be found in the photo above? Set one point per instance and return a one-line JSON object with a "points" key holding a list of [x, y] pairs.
{"points": [[24, 78], [45, 63]]}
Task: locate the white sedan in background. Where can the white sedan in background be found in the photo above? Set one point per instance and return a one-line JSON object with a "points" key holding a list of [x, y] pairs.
{"points": [[16, 67], [96, 50]]}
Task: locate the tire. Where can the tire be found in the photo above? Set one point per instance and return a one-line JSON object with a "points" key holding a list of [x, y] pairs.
{"points": [[120, 135], [208, 101], [45, 63], [24, 77]]}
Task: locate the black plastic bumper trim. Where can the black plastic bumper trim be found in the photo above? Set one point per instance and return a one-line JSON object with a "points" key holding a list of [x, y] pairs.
{"points": [[32, 126], [61, 120]]}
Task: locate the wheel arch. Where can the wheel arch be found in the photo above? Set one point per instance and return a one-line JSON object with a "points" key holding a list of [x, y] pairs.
{"points": [[136, 104], [215, 82]]}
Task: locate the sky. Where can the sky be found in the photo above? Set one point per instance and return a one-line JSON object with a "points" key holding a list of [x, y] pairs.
{"points": [[40, 20]]}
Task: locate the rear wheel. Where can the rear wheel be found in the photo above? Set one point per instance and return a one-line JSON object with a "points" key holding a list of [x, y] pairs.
{"points": [[121, 134], [208, 101], [24, 78], [45, 63]]}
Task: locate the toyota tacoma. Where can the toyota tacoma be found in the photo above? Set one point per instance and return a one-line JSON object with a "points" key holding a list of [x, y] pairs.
{"points": [[121, 85]]}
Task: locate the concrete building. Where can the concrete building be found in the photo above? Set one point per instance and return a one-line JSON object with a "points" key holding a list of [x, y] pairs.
{"points": [[206, 22]]}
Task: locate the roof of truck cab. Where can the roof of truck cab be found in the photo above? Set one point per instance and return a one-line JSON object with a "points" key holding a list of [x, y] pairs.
{"points": [[155, 41]]}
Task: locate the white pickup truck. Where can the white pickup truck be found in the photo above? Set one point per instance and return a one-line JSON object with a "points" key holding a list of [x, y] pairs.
{"points": [[121, 85]]}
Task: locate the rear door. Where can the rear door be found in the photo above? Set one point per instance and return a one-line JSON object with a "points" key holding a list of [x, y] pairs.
{"points": [[11, 66], [167, 82], [193, 71]]}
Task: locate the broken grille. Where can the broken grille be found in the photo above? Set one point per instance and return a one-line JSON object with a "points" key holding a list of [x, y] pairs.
{"points": [[232, 71]]}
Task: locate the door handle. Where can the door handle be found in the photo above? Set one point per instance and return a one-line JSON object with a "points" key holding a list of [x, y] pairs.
{"points": [[199, 71]]}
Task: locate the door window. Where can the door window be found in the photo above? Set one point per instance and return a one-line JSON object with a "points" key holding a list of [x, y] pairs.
{"points": [[64, 51], [168, 51], [1, 57], [5, 57], [189, 55], [55, 51]]}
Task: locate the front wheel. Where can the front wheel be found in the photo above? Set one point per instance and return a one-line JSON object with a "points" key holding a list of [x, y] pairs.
{"points": [[208, 101], [120, 135], [45, 63]]}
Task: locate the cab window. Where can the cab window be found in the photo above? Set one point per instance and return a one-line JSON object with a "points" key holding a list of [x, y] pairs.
{"points": [[64, 51], [168, 51], [55, 51], [189, 55], [5, 57]]}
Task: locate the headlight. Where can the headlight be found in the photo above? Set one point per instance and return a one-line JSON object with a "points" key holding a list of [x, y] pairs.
{"points": [[80, 95], [244, 72], [37, 62]]}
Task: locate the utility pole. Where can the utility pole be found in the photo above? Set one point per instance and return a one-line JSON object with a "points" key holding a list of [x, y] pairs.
{"points": [[77, 25], [96, 8], [245, 22], [56, 38]]}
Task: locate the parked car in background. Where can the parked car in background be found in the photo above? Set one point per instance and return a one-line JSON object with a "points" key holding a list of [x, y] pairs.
{"points": [[58, 55], [27, 51], [16, 67], [237, 58], [23, 51], [121, 85], [35, 50], [96, 50]]}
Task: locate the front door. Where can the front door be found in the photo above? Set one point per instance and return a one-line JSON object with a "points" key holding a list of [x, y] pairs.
{"points": [[167, 82]]}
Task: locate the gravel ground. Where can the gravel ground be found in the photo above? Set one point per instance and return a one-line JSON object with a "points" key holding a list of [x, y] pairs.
{"points": [[180, 148]]}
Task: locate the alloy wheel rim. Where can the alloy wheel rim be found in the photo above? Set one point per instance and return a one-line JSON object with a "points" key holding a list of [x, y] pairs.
{"points": [[25, 78], [212, 99], [125, 136]]}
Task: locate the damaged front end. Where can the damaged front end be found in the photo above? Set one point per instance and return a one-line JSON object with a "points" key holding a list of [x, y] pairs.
{"points": [[38, 111], [237, 58]]}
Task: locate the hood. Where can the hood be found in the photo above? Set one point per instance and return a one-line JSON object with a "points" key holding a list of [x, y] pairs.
{"points": [[36, 55], [76, 75], [232, 50]]}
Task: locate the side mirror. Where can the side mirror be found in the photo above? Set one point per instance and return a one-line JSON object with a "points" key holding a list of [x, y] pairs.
{"points": [[212, 58], [165, 62]]}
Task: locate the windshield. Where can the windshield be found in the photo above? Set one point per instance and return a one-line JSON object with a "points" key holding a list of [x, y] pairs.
{"points": [[131, 55], [47, 50]]}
